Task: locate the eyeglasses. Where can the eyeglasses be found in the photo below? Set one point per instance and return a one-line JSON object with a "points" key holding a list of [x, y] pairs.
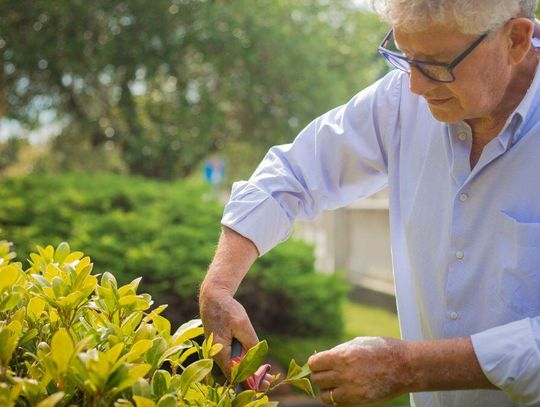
{"points": [[436, 71]]}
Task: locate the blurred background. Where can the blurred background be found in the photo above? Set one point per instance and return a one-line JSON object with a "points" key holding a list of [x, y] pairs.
{"points": [[124, 123]]}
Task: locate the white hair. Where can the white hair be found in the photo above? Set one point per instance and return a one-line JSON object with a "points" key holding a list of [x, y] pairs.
{"points": [[470, 16]]}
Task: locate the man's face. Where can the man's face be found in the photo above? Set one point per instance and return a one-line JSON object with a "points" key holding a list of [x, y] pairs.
{"points": [[481, 78]]}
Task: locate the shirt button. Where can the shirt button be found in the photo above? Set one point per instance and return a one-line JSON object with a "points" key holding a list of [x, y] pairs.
{"points": [[454, 315], [459, 254], [462, 136], [463, 197]]}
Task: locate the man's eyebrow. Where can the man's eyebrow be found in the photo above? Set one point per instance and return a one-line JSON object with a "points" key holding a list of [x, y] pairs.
{"points": [[434, 55]]}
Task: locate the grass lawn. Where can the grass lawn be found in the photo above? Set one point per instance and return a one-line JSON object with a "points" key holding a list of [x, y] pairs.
{"points": [[360, 320]]}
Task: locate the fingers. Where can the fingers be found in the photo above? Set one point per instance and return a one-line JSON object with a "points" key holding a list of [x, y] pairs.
{"points": [[330, 397], [245, 333], [322, 361], [223, 357], [327, 379]]}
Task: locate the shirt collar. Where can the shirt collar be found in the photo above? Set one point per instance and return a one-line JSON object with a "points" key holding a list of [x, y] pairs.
{"points": [[511, 132]]}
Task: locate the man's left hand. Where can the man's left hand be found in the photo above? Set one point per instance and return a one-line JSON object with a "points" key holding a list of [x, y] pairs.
{"points": [[362, 371]]}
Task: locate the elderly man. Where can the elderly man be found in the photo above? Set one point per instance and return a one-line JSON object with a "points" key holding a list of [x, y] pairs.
{"points": [[454, 133]]}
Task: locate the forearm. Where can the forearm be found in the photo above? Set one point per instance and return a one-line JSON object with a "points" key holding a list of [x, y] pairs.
{"points": [[234, 256], [449, 364]]}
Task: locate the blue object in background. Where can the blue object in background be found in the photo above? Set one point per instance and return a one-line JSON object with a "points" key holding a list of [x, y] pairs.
{"points": [[214, 171]]}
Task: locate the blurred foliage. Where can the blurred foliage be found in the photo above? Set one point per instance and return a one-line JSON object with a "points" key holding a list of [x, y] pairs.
{"points": [[9, 151], [166, 83], [166, 232]]}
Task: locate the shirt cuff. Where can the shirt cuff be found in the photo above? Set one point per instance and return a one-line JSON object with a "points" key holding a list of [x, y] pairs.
{"points": [[255, 215], [510, 359]]}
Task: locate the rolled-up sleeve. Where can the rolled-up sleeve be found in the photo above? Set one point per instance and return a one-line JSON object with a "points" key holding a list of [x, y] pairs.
{"points": [[509, 356], [338, 158]]}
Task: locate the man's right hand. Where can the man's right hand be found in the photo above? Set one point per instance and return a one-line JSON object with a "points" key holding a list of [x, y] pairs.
{"points": [[221, 314], [226, 318]]}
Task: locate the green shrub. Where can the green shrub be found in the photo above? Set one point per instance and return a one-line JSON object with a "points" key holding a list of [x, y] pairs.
{"points": [[69, 339], [166, 232]]}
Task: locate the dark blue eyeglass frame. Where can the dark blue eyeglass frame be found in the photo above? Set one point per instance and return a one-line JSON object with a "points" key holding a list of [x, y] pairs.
{"points": [[402, 63]]}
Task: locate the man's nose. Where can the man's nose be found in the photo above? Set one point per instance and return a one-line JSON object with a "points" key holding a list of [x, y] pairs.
{"points": [[419, 83]]}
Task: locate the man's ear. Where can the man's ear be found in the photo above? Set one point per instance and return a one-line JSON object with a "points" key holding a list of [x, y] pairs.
{"points": [[520, 32]]}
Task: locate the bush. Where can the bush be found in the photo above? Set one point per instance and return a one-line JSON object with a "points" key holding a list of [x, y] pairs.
{"points": [[67, 339], [166, 232]]}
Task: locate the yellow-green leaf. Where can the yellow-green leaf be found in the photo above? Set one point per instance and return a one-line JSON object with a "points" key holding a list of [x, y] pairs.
{"points": [[162, 325], [35, 307], [113, 353], [9, 337], [161, 380], [8, 276], [138, 371], [187, 335], [52, 400], [138, 349], [52, 271], [244, 398], [130, 288], [215, 349], [189, 330], [143, 402], [47, 253], [127, 300], [89, 283], [251, 362], [186, 354], [194, 373], [62, 349], [302, 384], [74, 256], [168, 400], [141, 388], [297, 372], [61, 252], [81, 278], [83, 263]]}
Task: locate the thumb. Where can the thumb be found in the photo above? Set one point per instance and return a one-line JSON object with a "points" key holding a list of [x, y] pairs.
{"points": [[247, 336]]}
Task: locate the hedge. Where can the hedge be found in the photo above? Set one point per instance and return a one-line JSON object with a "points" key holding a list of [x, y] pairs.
{"points": [[166, 233]]}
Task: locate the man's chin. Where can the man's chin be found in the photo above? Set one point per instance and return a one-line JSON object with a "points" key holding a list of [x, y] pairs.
{"points": [[445, 115]]}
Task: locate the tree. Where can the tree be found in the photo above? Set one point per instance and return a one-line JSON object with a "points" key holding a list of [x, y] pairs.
{"points": [[167, 83]]}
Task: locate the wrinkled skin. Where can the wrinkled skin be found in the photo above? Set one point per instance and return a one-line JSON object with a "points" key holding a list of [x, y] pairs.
{"points": [[227, 318], [362, 371]]}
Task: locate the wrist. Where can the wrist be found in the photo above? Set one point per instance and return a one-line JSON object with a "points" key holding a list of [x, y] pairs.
{"points": [[416, 378], [210, 288], [444, 364]]}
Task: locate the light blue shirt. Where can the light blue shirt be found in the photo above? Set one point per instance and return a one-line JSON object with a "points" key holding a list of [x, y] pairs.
{"points": [[465, 244]]}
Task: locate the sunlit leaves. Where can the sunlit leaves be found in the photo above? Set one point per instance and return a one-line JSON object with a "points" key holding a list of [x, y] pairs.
{"points": [[71, 339]]}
